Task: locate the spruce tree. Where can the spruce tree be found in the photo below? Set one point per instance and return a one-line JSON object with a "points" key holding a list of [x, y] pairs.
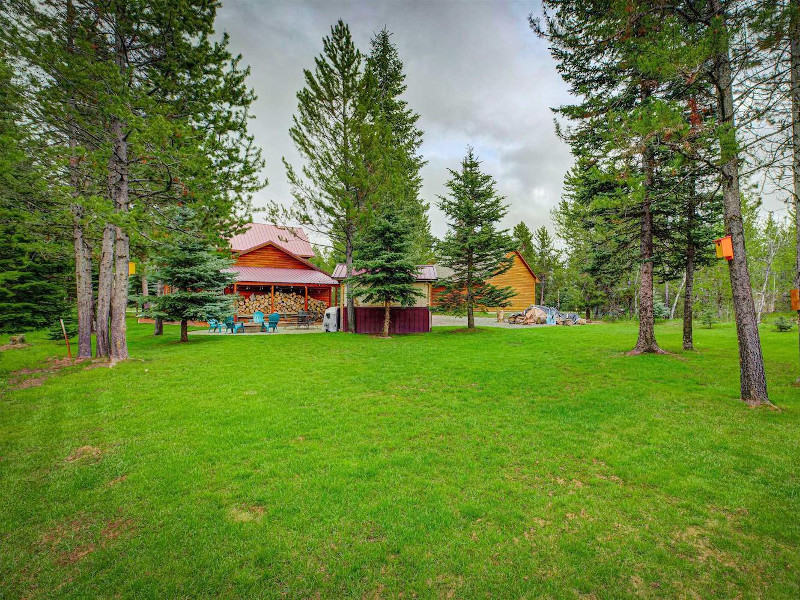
{"points": [[545, 260], [197, 275], [474, 247], [523, 238], [401, 146], [384, 263]]}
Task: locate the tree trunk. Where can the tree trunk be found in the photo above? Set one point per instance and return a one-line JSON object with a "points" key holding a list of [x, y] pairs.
{"points": [[688, 299], [145, 291], [753, 381], [677, 297], [104, 285], [688, 278], [82, 249], [794, 42], [118, 183], [646, 342], [386, 318], [351, 305], [184, 330], [158, 329]]}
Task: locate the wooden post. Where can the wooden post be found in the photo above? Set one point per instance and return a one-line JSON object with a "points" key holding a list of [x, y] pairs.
{"points": [[305, 289], [272, 300], [235, 292], [330, 296], [66, 339]]}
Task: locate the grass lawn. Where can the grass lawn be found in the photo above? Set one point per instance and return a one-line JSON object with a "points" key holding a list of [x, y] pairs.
{"points": [[538, 463]]}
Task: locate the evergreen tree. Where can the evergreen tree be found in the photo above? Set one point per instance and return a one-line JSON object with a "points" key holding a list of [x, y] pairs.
{"points": [[545, 260], [523, 238], [34, 275], [403, 141], [384, 263], [196, 274], [474, 248], [139, 110], [339, 183]]}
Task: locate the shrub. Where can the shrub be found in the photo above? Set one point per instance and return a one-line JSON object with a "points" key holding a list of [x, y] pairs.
{"points": [[708, 317], [70, 324], [783, 324], [660, 310]]}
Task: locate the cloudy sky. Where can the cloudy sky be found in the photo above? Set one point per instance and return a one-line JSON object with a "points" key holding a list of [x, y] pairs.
{"points": [[475, 74]]}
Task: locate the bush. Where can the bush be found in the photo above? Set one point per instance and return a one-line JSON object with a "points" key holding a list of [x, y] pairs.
{"points": [[660, 310], [708, 317], [783, 324], [70, 324]]}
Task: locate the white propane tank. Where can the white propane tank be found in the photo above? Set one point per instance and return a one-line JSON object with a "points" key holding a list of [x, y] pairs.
{"points": [[330, 321]]}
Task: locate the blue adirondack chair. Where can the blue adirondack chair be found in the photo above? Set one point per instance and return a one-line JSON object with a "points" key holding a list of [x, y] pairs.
{"points": [[258, 319], [214, 325], [272, 325], [233, 326]]}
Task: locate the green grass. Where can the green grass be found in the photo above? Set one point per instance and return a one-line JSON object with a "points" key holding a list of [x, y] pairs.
{"points": [[539, 463]]}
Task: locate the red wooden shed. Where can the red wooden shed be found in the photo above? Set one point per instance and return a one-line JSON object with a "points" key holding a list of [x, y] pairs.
{"points": [[404, 319]]}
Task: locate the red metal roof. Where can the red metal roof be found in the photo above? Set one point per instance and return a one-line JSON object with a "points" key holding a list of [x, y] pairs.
{"points": [[282, 276], [256, 235], [425, 273]]}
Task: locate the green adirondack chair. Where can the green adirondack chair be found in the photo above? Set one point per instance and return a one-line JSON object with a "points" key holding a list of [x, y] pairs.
{"points": [[272, 325], [233, 326]]}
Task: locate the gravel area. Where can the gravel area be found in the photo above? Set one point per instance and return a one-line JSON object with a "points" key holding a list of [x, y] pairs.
{"points": [[448, 321]]}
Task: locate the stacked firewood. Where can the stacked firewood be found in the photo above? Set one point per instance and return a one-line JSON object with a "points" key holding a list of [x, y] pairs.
{"points": [[284, 303]]}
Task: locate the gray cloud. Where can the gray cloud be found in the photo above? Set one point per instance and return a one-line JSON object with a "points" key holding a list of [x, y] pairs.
{"points": [[475, 73]]}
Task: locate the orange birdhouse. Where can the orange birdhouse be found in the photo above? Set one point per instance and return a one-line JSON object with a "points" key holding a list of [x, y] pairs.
{"points": [[795, 296], [724, 246]]}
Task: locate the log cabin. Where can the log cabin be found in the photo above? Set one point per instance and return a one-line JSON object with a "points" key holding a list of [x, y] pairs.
{"points": [[520, 277], [404, 319], [273, 272]]}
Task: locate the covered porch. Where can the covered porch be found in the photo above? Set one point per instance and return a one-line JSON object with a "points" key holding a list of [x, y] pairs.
{"points": [[285, 291]]}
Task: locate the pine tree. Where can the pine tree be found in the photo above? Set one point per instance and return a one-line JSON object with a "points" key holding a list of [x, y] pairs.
{"points": [[139, 110], [474, 248], [33, 273], [384, 263], [402, 144], [545, 260], [339, 184], [523, 238], [196, 274]]}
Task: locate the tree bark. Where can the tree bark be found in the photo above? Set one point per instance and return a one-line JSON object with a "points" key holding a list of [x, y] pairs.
{"points": [[351, 305], [688, 299], [646, 343], [674, 306], [387, 311], [118, 183], [81, 246], [794, 42], [158, 329], [753, 381], [184, 330], [145, 291], [104, 285]]}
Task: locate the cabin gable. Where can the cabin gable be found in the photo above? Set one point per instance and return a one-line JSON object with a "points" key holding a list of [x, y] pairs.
{"points": [[270, 255], [522, 280]]}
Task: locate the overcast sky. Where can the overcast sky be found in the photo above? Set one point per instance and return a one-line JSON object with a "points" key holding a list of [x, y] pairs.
{"points": [[475, 73]]}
